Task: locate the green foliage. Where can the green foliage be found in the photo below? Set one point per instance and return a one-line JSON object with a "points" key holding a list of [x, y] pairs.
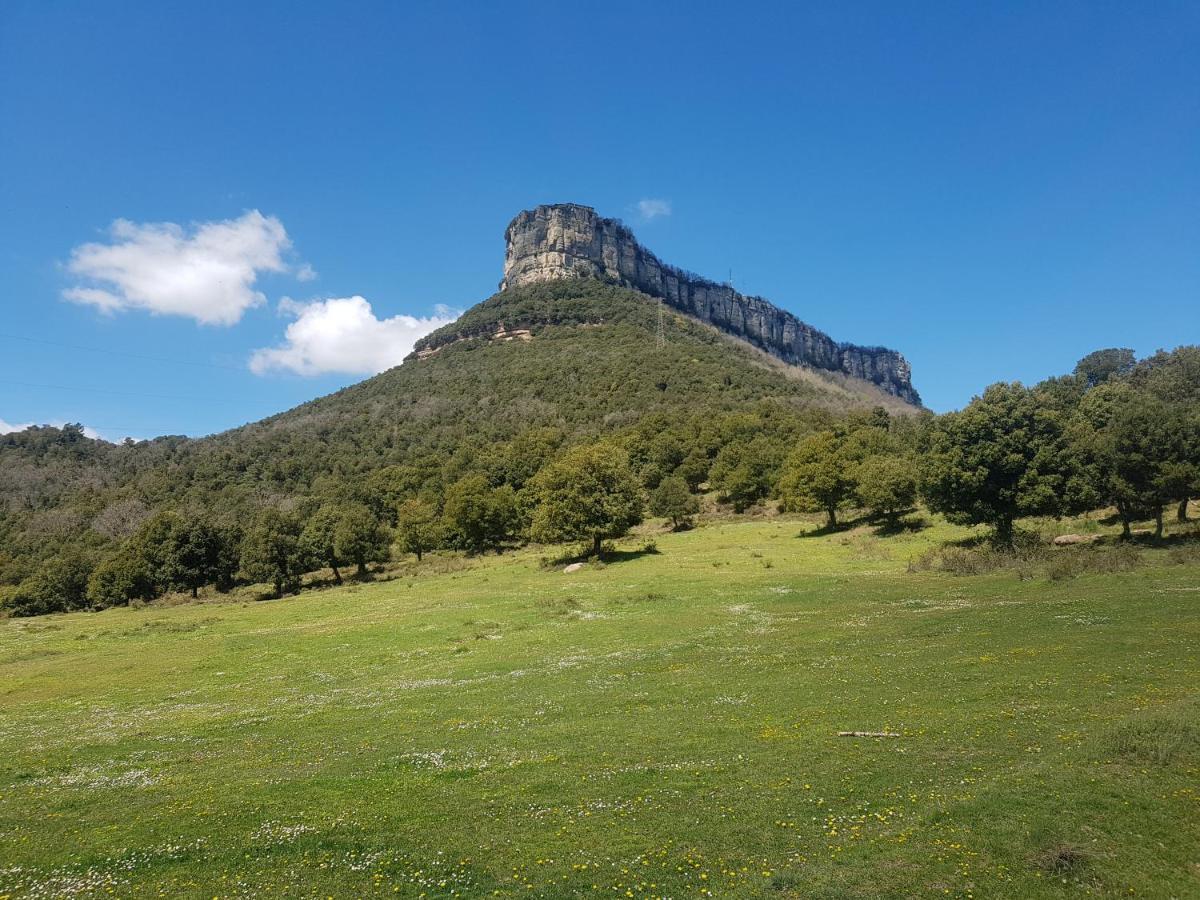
{"points": [[1101, 365], [589, 494], [60, 585], [271, 551], [360, 538], [745, 471], [417, 527], [818, 476], [886, 486], [318, 540], [478, 516], [194, 555], [1001, 457], [672, 500], [122, 577], [1133, 451]]}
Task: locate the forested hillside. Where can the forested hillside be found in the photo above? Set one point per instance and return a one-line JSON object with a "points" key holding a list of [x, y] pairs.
{"points": [[550, 413], [499, 407]]}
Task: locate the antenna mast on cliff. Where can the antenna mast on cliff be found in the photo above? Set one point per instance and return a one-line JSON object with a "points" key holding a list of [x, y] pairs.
{"points": [[660, 338]]}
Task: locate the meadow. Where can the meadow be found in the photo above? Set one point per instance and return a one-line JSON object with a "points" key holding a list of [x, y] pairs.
{"points": [[664, 725]]}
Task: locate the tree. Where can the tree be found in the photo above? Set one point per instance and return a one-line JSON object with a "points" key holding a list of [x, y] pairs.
{"points": [[694, 469], [122, 577], [672, 500], [1098, 367], [1130, 452], [1174, 378], [886, 485], [360, 538], [1001, 457], [819, 475], [59, 585], [744, 471], [271, 551], [416, 527], [480, 516], [317, 540], [589, 494], [193, 554]]}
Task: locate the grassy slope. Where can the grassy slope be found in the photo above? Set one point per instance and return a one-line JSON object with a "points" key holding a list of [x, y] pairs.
{"points": [[661, 726]]}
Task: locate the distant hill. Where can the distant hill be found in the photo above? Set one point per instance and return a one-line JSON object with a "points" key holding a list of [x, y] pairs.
{"points": [[574, 358], [567, 240]]}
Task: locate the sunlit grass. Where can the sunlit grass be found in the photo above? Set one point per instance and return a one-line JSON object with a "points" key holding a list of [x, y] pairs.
{"points": [[663, 726]]}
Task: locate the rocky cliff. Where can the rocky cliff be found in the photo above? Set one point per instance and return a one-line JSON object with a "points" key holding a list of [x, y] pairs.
{"points": [[567, 240]]}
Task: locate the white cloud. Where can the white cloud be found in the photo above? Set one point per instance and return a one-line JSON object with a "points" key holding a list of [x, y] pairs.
{"points": [[651, 208], [343, 335], [207, 273], [8, 428], [306, 273]]}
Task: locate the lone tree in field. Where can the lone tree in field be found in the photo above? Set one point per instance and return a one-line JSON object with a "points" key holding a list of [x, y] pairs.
{"points": [[672, 500], [589, 494], [1001, 457], [416, 527]]}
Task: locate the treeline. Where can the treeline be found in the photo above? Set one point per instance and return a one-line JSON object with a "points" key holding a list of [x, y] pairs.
{"points": [[1115, 432]]}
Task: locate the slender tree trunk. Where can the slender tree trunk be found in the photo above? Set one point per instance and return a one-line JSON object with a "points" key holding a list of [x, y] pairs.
{"points": [[1125, 532], [362, 569], [278, 588], [1182, 514], [418, 551], [1158, 523], [831, 512], [194, 590], [1004, 532], [596, 539], [337, 576]]}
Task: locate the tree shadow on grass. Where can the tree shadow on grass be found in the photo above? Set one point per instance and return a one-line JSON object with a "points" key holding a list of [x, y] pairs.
{"points": [[608, 555], [900, 525], [619, 556], [826, 529]]}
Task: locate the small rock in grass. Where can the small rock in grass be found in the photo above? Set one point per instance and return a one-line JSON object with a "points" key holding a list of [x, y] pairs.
{"points": [[1064, 540]]}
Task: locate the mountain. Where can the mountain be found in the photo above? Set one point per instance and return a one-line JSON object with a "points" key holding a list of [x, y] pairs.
{"points": [[563, 358], [568, 240]]}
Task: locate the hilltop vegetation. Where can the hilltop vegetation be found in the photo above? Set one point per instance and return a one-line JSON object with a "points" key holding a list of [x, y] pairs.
{"points": [[478, 406], [666, 725], [470, 448]]}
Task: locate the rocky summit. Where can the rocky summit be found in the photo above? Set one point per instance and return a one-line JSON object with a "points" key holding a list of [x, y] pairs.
{"points": [[568, 240]]}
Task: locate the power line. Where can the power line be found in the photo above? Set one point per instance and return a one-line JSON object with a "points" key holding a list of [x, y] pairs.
{"points": [[110, 352], [92, 390]]}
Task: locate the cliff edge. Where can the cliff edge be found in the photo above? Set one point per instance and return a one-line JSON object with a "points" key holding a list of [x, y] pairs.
{"points": [[570, 241]]}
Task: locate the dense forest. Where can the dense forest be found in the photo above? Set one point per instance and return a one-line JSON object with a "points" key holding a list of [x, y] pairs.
{"points": [[487, 440]]}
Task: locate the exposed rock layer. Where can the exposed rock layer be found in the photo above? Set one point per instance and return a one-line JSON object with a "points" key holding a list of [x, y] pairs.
{"points": [[568, 241]]}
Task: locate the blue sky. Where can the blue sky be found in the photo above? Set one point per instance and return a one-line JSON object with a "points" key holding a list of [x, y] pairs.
{"points": [[994, 190]]}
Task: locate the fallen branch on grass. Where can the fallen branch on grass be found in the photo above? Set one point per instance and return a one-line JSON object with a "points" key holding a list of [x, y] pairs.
{"points": [[868, 734]]}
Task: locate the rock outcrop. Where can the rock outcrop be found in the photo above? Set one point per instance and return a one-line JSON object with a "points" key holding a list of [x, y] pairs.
{"points": [[569, 241]]}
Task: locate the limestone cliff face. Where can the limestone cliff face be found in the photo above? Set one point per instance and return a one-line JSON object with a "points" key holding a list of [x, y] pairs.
{"points": [[567, 241]]}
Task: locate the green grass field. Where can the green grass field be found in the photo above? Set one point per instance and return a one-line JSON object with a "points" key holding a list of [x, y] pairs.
{"points": [[661, 726]]}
